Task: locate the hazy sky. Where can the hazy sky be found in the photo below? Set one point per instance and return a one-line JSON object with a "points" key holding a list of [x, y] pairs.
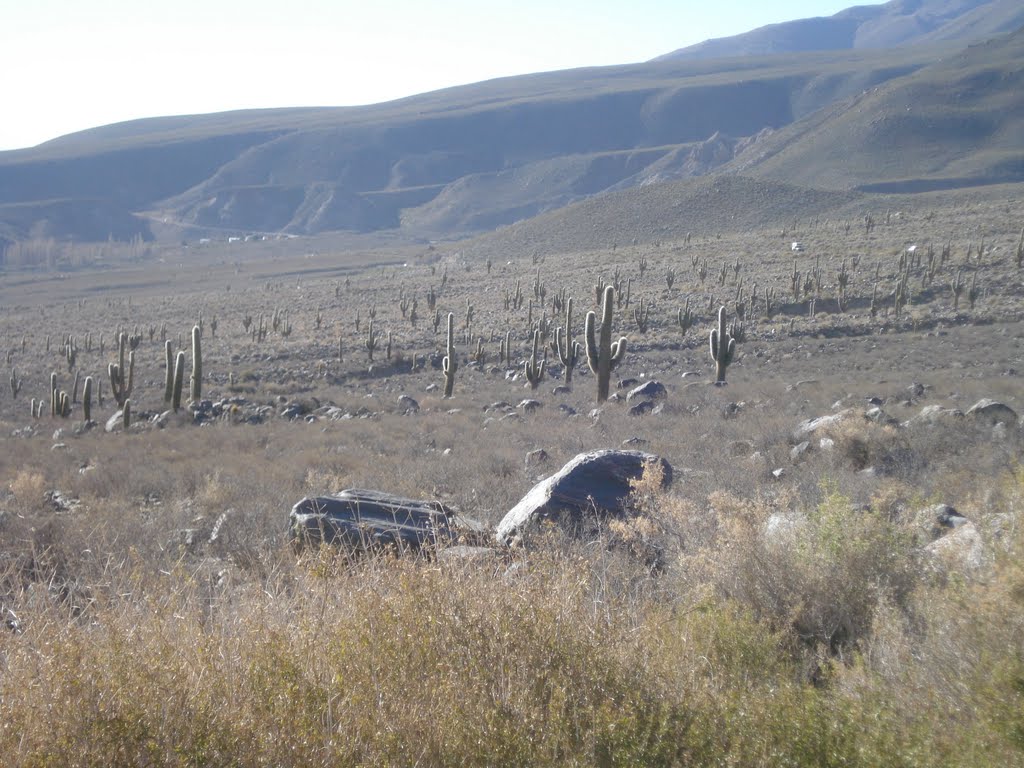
{"points": [[66, 65]]}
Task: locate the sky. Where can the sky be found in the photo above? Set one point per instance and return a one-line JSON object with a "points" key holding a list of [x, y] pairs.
{"points": [[67, 65]]}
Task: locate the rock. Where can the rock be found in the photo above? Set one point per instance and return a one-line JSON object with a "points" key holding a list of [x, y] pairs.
{"points": [[539, 456], [115, 422], [933, 414], [651, 390], [822, 422], [626, 383], [365, 521], [568, 410], [992, 412], [797, 452], [591, 487], [641, 408], [408, 404], [528, 405], [561, 389], [962, 550], [937, 520]]}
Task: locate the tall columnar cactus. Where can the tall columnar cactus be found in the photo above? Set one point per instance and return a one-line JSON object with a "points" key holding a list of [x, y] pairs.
{"points": [[179, 381], [534, 371], [641, 315], [126, 414], [602, 354], [569, 352], [449, 365], [371, 340], [684, 317], [723, 347], [169, 371], [87, 399], [196, 382], [15, 383], [120, 383], [53, 395]]}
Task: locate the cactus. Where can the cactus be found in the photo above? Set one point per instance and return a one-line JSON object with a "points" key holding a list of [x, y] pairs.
{"points": [[179, 380], [568, 353], [196, 382], [450, 365], [723, 347], [120, 385], [169, 366], [957, 286], [670, 278], [126, 414], [535, 372], [15, 384], [602, 354], [387, 347], [87, 399], [685, 318], [641, 315], [371, 340]]}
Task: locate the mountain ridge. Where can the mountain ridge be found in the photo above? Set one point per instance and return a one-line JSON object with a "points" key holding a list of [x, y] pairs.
{"points": [[469, 159]]}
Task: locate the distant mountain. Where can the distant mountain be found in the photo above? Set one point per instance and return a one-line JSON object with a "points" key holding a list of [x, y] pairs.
{"points": [[958, 122], [899, 22], [467, 160]]}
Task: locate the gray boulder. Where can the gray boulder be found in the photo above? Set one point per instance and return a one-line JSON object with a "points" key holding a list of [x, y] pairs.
{"points": [[933, 414], [592, 487], [938, 520], [992, 412], [810, 426], [366, 521], [652, 389]]}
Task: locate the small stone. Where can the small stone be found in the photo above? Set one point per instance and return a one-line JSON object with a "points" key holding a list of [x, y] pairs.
{"points": [[539, 456]]}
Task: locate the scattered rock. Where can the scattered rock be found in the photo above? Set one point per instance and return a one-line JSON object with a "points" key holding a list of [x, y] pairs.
{"points": [[365, 520], [591, 487], [539, 456], [937, 520], [823, 422], [634, 441], [641, 408], [992, 412], [561, 389], [651, 390], [933, 414], [408, 404], [799, 451], [528, 405], [962, 550]]}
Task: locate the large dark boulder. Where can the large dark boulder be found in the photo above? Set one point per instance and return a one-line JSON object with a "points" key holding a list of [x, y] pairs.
{"points": [[367, 521], [592, 487]]}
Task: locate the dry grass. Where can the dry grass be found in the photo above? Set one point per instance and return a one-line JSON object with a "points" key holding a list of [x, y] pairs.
{"points": [[740, 619]]}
